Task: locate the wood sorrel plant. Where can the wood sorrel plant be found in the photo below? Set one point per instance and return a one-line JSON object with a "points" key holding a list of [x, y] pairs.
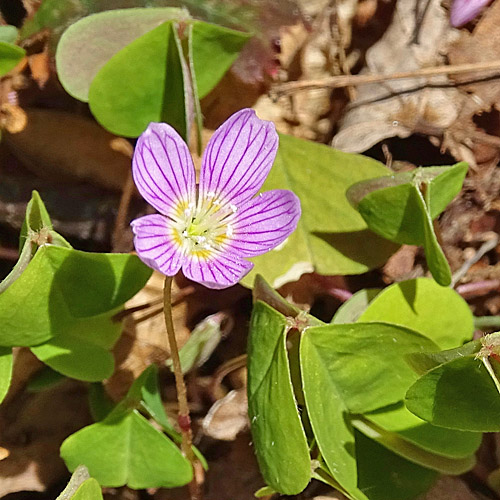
{"points": [[209, 232]]}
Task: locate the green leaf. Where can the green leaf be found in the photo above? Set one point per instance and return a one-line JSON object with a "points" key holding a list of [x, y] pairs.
{"points": [[459, 394], [328, 414], [18, 269], [445, 184], [449, 443], [394, 212], [125, 449], [384, 475], [81, 351], [81, 487], [36, 219], [53, 15], [87, 45], [395, 208], [6, 362], [61, 285], [331, 237], [44, 379], [145, 388], [420, 304], [214, 49], [100, 403], [10, 55], [37, 226], [8, 34], [144, 392], [142, 83], [89, 490], [265, 293], [278, 436], [441, 185], [36, 231], [364, 361], [414, 453], [351, 310], [399, 214], [422, 362], [265, 491], [95, 283]]}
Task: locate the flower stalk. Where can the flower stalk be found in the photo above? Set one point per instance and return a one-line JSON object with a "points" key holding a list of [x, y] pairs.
{"points": [[183, 417]]}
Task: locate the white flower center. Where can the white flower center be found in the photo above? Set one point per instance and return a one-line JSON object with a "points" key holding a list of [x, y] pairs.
{"points": [[203, 228]]}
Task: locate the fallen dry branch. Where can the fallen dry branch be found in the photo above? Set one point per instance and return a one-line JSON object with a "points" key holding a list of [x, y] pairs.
{"points": [[348, 80]]}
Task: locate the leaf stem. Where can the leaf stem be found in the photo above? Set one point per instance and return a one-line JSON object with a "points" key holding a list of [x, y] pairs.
{"points": [[487, 322], [183, 417]]}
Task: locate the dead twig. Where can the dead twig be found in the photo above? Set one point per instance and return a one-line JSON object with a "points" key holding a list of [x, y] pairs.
{"points": [[348, 80], [483, 250]]}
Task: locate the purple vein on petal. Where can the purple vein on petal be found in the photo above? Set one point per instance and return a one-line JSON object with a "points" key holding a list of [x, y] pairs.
{"points": [[265, 222], [172, 170], [164, 254], [181, 193], [153, 180], [222, 137], [144, 186], [257, 172], [238, 158], [163, 169]]}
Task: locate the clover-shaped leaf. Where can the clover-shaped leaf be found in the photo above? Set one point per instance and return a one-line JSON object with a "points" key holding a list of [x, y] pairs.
{"points": [[331, 236], [125, 449], [459, 394], [108, 31], [280, 441], [402, 208], [71, 297], [421, 304], [449, 443], [61, 285], [384, 475], [140, 65]]}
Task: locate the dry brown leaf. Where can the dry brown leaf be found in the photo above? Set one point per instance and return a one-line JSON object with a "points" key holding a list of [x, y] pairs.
{"points": [[401, 107], [233, 473], [309, 53], [464, 138], [401, 265], [144, 338], [62, 146], [32, 428], [479, 46], [449, 488], [228, 416], [40, 66]]}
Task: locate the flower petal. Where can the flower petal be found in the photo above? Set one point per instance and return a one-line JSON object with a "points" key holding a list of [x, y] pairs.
{"points": [[155, 245], [220, 270], [264, 222], [464, 11], [163, 169], [238, 158]]}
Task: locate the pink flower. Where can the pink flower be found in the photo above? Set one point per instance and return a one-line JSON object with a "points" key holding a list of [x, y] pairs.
{"points": [[210, 232], [464, 11]]}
